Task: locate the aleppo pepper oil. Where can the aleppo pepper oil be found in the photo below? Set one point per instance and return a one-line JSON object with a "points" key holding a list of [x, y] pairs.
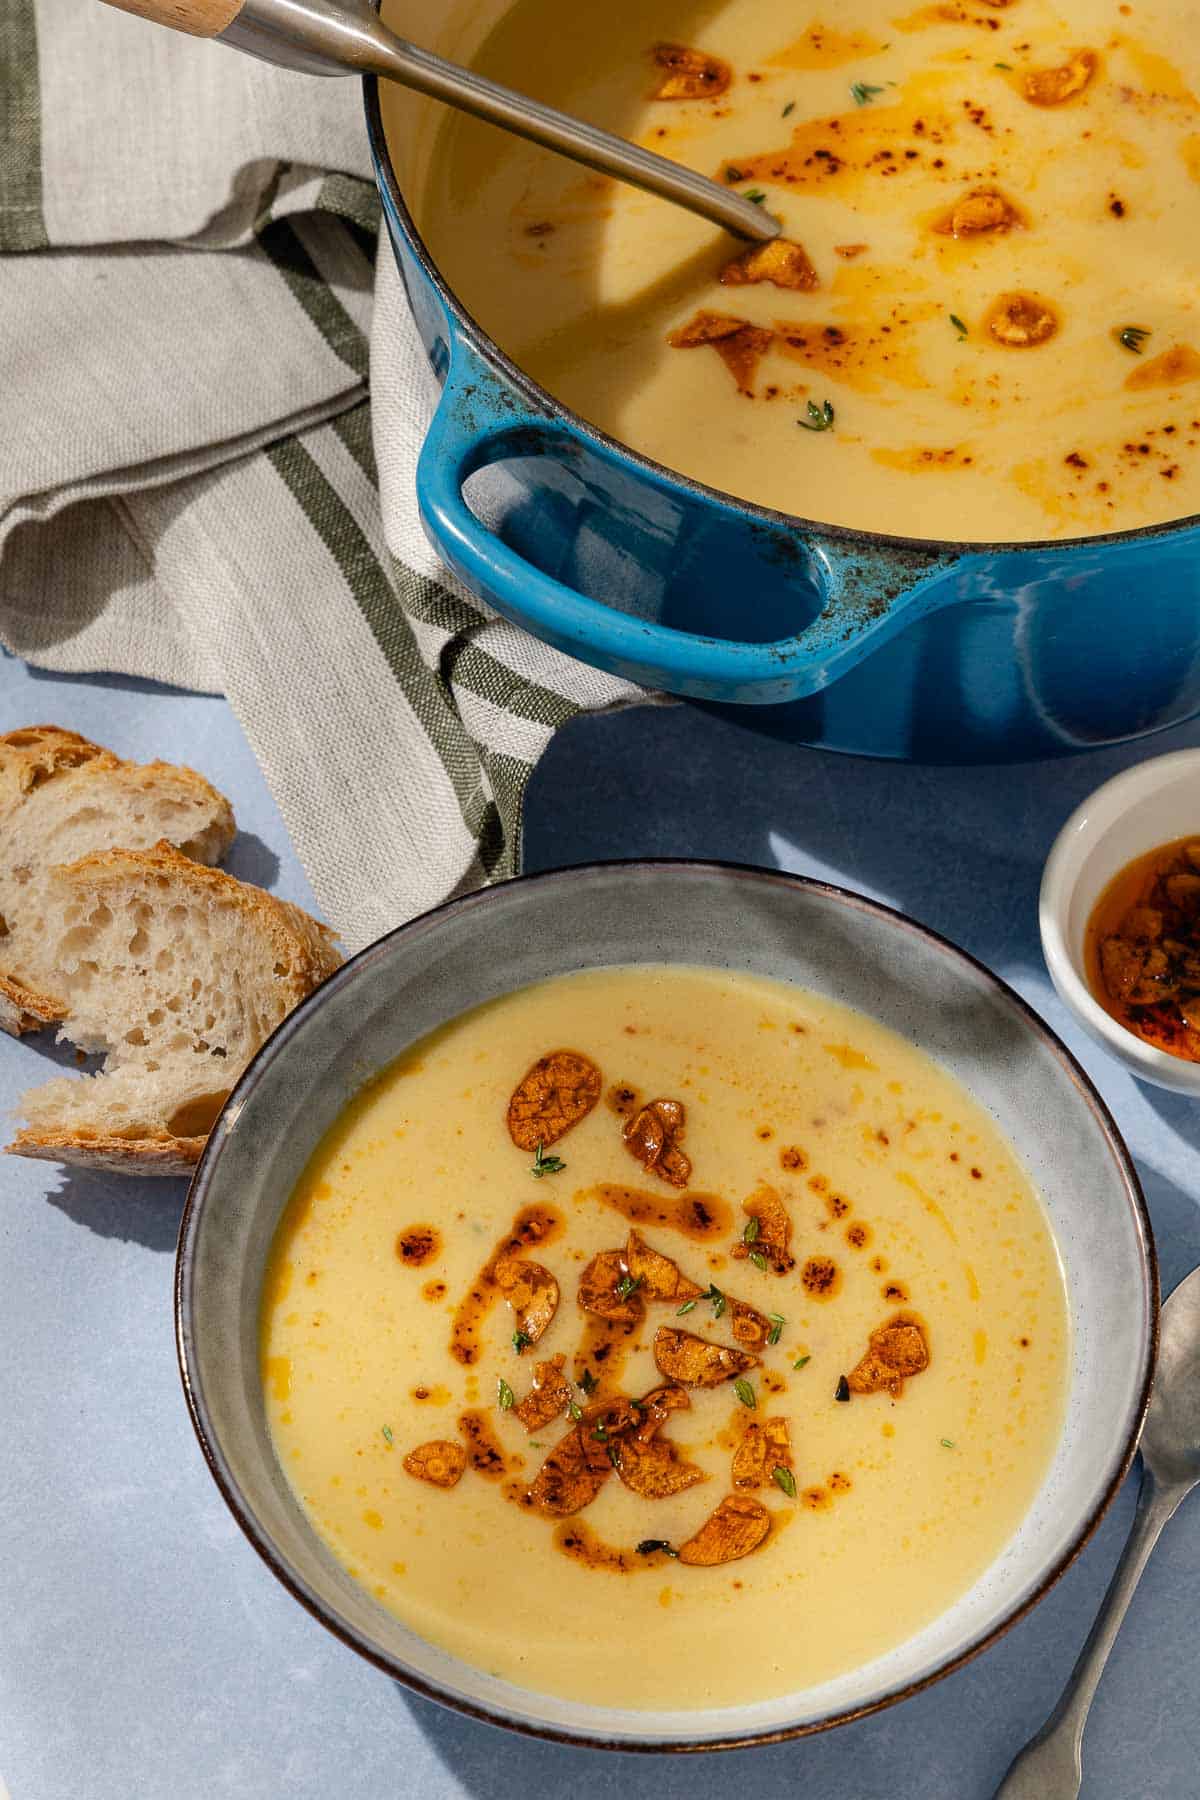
{"points": [[1142, 948]]}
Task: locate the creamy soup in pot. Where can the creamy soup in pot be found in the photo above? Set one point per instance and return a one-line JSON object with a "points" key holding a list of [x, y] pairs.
{"points": [[986, 321], [662, 1337]]}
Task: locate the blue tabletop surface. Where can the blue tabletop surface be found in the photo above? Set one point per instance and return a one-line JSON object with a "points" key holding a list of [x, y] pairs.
{"points": [[146, 1653]]}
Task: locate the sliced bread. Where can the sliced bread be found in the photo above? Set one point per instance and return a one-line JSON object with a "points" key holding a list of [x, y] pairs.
{"points": [[177, 973], [61, 798]]}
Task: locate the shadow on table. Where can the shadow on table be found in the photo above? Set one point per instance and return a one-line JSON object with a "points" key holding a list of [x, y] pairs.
{"points": [[252, 860], [959, 847], [121, 684], [1176, 1217], [1180, 1112], [136, 1209]]}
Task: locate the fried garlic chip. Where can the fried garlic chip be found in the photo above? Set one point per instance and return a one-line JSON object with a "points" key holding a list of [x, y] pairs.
{"points": [[653, 1470], [694, 1361], [600, 1285], [751, 1328], [1019, 321], [440, 1463], [532, 1292], [658, 1278], [572, 1475], [656, 1407], [651, 1136], [782, 262], [763, 1449], [1050, 87], [689, 74], [552, 1096], [774, 1232], [549, 1395], [895, 1351], [738, 1526], [980, 213]]}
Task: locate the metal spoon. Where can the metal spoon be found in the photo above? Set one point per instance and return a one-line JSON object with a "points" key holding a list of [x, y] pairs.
{"points": [[1050, 1766], [346, 37]]}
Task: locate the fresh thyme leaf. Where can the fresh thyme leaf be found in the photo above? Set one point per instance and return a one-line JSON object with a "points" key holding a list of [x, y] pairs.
{"points": [[1007, 66], [536, 1444], [842, 1391], [520, 1341], [387, 1435], [789, 108], [614, 1455], [546, 1165], [755, 194], [785, 1479], [588, 1382], [776, 1331], [759, 1260], [574, 1410], [600, 1431], [947, 1443], [685, 1308], [627, 1285], [718, 1301], [958, 325], [800, 1361], [750, 1234], [745, 1392], [863, 92], [648, 1546], [505, 1397], [1132, 337], [820, 418]]}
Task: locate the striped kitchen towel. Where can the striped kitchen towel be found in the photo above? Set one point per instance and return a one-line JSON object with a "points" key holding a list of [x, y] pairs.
{"points": [[212, 400]]}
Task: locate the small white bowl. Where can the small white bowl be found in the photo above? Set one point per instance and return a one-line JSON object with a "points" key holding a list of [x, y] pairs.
{"points": [[1146, 806]]}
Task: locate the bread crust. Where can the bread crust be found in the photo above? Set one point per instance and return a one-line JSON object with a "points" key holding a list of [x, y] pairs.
{"points": [[38, 753], [114, 1155], [303, 951], [21, 1009], [309, 946]]}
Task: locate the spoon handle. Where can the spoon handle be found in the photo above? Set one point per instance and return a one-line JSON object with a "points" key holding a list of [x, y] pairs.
{"points": [[339, 37], [199, 18], [1050, 1766]]}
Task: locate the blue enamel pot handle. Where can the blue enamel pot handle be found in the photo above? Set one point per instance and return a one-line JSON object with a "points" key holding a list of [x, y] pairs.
{"points": [[855, 596]]}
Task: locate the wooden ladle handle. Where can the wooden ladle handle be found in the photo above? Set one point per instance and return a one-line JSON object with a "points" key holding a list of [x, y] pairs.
{"points": [[202, 18]]}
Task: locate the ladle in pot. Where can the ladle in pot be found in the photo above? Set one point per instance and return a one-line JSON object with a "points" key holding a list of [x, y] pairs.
{"points": [[347, 37]]}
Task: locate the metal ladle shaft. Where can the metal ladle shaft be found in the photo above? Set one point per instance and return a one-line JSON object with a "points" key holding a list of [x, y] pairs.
{"points": [[342, 37]]}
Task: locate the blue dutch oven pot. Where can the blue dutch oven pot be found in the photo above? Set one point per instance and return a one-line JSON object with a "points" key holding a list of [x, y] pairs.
{"points": [[856, 641]]}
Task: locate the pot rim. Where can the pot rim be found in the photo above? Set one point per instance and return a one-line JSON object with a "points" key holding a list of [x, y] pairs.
{"points": [[546, 403], [428, 1688]]}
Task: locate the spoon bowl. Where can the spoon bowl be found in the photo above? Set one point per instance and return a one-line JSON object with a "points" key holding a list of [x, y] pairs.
{"points": [[1171, 1436]]}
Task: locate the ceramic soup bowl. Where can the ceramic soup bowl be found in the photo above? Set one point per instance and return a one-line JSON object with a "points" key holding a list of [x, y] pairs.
{"points": [[837, 943]]}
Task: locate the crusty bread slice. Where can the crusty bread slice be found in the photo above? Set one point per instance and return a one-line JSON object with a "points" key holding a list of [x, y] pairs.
{"points": [[177, 973], [61, 798]]}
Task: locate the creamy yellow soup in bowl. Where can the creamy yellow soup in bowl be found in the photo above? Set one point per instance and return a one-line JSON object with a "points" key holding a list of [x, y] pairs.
{"points": [[642, 1259]]}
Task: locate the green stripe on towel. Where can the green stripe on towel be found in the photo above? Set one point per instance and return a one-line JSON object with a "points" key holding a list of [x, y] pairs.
{"points": [[22, 226]]}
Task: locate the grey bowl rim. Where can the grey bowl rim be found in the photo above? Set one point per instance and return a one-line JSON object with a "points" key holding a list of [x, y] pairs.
{"points": [[350, 970]]}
